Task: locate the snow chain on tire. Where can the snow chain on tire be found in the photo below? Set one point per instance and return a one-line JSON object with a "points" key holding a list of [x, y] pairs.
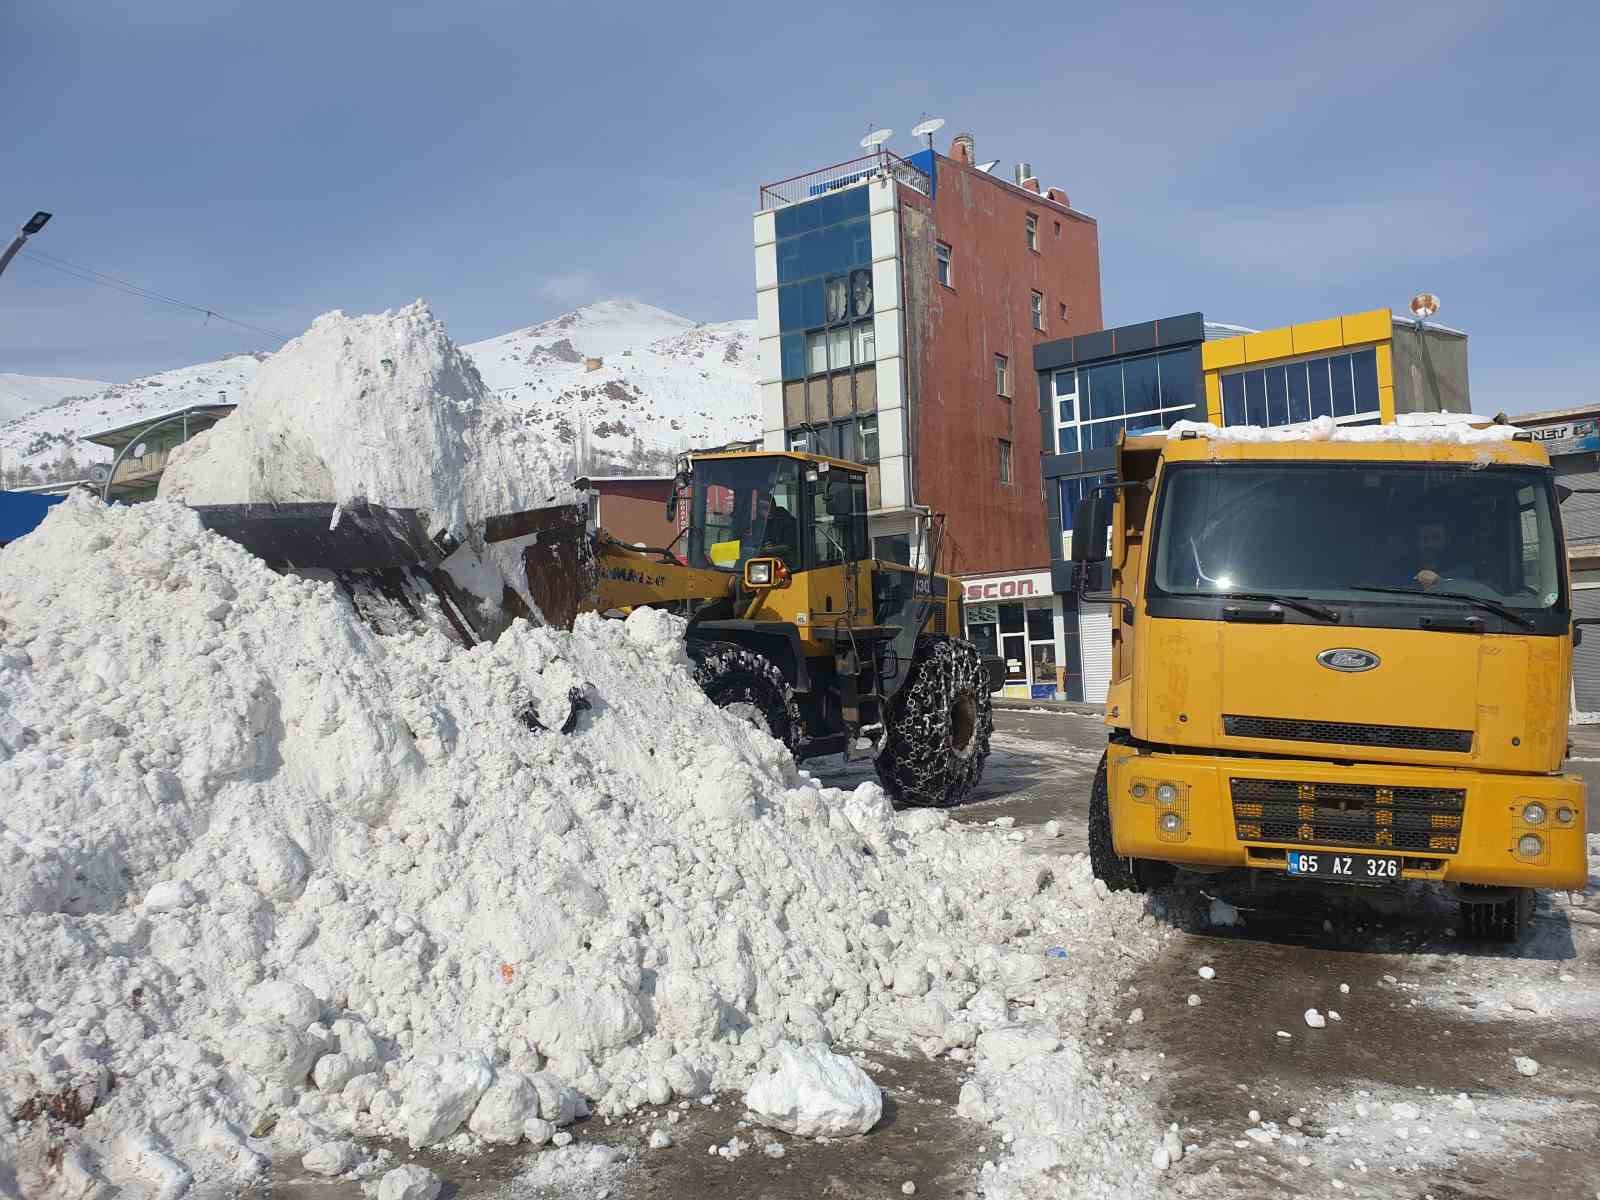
{"points": [[938, 726], [1116, 872], [734, 677]]}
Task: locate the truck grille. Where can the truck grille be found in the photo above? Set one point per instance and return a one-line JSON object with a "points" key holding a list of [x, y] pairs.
{"points": [[1363, 815], [1344, 733]]}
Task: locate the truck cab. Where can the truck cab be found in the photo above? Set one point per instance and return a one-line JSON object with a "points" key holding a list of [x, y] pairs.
{"points": [[1345, 661]]}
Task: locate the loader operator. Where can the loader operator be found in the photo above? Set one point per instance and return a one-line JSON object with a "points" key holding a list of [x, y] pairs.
{"points": [[774, 531]]}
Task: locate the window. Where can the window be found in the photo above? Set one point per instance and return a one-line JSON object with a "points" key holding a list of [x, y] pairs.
{"points": [[866, 343], [1341, 386], [1005, 461], [1033, 233], [1037, 303], [1063, 307], [1137, 394], [869, 439], [1002, 375], [1058, 228], [941, 252], [893, 547]]}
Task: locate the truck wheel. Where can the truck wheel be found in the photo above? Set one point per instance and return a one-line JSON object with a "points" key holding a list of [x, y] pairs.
{"points": [[939, 727], [1117, 873], [750, 686], [1501, 921]]}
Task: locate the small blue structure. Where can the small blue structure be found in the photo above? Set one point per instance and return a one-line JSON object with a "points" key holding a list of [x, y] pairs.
{"points": [[21, 512]]}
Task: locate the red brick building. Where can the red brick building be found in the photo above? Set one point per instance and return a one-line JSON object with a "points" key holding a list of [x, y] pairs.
{"points": [[898, 301]]}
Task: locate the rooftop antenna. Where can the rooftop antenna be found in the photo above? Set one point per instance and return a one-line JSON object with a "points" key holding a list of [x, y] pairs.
{"points": [[875, 139], [929, 127]]}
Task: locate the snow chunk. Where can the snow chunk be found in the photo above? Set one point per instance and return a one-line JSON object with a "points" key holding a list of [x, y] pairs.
{"points": [[330, 1158], [1315, 1019], [814, 1093], [1005, 1047], [409, 1182], [1447, 428], [1525, 1065], [439, 1096]]}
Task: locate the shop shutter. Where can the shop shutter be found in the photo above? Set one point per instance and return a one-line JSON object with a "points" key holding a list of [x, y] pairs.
{"points": [[1580, 515], [1586, 657], [1094, 640]]}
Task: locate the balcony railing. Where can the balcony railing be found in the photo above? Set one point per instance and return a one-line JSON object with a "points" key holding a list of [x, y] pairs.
{"points": [[842, 175]]}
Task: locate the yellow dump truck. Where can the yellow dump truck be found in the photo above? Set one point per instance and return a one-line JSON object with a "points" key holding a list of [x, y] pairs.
{"points": [[1342, 661]]}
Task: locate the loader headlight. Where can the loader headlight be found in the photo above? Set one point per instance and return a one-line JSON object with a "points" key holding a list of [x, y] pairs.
{"points": [[758, 572], [1565, 816], [1530, 845], [1533, 813], [1167, 793]]}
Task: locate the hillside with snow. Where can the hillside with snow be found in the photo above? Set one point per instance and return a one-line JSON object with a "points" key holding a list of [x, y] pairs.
{"points": [[21, 394], [621, 383]]}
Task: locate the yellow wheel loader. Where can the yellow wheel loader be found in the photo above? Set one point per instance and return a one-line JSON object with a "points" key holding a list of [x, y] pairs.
{"points": [[791, 623]]}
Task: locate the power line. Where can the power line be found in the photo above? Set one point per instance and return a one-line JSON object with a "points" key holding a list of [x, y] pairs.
{"points": [[101, 279]]}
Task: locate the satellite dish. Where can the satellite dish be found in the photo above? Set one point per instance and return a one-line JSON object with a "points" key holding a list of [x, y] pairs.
{"points": [[876, 138], [99, 473], [1424, 305], [928, 128], [989, 166]]}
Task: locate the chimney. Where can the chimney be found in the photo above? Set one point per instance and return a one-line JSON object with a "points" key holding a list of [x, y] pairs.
{"points": [[963, 148], [1024, 171]]}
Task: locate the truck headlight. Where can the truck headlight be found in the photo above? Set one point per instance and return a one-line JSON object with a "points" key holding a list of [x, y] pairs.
{"points": [[1565, 816], [1170, 822], [1533, 813], [1167, 793], [1530, 845], [1139, 791]]}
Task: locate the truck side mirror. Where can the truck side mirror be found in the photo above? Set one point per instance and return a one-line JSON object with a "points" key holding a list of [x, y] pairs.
{"points": [[1090, 521]]}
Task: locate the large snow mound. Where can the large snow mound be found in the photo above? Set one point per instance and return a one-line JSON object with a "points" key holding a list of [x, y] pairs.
{"points": [[381, 407], [272, 882]]}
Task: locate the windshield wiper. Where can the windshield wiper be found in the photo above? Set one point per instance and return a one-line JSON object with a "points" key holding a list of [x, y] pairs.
{"points": [[1493, 606], [1309, 607]]}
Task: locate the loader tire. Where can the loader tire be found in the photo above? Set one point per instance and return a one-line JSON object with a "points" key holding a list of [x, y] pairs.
{"points": [[752, 687], [1503, 921], [938, 728], [1117, 873]]}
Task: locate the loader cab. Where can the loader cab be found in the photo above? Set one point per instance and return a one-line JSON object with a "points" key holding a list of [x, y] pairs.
{"points": [[804, 509]]}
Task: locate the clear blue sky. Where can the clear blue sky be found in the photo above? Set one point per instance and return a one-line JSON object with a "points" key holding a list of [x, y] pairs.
{"points": [[1265, 163]]}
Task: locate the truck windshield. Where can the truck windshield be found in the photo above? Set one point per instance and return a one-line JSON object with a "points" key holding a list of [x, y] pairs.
{"points": [[744, 508], [1329, 531]]}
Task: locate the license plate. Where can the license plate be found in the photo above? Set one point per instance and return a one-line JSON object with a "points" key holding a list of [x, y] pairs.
{"points": [[1344, 868]]}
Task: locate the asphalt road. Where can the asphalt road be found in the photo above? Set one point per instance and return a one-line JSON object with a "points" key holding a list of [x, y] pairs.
{"points": [[1429, 1017]]}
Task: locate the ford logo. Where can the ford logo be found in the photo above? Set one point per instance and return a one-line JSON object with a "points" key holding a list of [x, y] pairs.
{"points": [[1348, 660]]}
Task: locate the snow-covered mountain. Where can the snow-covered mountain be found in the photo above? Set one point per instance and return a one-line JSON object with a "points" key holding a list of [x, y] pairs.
{"points": [[23, 393], [662, 383]]}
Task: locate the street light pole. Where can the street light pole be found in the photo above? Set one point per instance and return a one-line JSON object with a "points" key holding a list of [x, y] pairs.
{"points": [[37, 222]]}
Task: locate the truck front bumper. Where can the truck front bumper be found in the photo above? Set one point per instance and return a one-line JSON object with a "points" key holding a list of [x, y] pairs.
{"points": [[1445, 825]]}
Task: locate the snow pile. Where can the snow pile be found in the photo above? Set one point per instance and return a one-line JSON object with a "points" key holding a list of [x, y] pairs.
{"points": [[813, 1092], [272, 882], [1450, 428], [384, 408]]}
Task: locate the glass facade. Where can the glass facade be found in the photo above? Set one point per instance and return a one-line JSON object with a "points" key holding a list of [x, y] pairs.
{"points": [[1096, 403], [828, 342], [1341, 386]]}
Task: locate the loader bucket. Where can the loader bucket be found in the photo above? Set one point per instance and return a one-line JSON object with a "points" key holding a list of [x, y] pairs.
{"points": [[560, 561], [355, 537]]}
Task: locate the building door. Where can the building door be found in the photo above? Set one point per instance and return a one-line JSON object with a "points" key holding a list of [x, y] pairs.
{"points": [[1014, 644], [1094, 646], [1042, 651], [1586, 658]]}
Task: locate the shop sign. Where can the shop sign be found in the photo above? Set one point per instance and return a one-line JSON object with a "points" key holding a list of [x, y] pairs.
{"points": [[1044, 691], [983, 614], [1570, 437], [1011, 587]]}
